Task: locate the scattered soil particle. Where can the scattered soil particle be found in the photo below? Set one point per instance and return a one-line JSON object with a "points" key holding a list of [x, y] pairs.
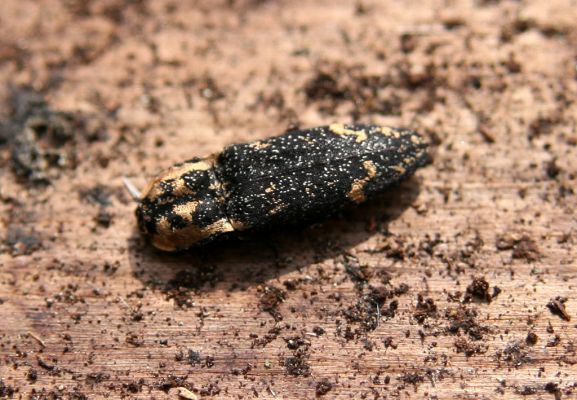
{"points": [[552, 169], [526, 249], [368, 310], [336, 83], [270, 299], [358, 274], [212, 389], [317, 330], [478, 290], [523, 247], [44, 141], [296, 342], [514, 354], [557, 306], [103, 218], [496, 292], [98, 194], [22, 242], [97, 377], [43, 364], [323, 387], [297, 365], [413, 378], [464, 319], [32, 375], [266, 339], [425, 308], [134, 339], [192, 357], [394, 247], [554, 342], [469, 348], [527, 390], [552, 388], [388, 342], [170, 381], [6, 390], [531, 339], [133, 387]]}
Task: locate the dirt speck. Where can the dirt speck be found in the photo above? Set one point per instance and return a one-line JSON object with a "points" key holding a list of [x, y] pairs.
{"points": [[323, 387], [557, 306], [271, 297], [297, 365], [478, 290]]}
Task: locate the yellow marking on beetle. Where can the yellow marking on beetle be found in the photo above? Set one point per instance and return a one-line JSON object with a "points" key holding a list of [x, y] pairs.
{"points": [[186, 210], [220, 226], [399, 168], [259, 145], [179, 188], [177, 172], [389, 132], [357, 193], [215, 185], [173, 177], [238, 226], [170, 239], [271, 188], [307, 139], [342, 130], [277, 208], [416, 139]]}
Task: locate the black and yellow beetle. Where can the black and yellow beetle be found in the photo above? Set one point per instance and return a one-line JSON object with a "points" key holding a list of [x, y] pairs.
{"points": [[299, 176]]}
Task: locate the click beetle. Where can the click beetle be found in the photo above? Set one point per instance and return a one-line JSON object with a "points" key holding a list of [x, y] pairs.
{"points": [[299, 176]]}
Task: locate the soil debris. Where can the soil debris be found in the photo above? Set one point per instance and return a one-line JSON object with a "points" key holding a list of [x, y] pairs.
{"points": [[557, 306], [323, 387], [270, 299]]}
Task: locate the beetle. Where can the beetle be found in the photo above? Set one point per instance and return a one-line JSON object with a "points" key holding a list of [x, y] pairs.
{"points": [[297, 177]]}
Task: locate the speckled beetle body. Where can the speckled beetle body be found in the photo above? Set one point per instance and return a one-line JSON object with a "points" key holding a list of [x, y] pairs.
{"points": [[292, 178]]}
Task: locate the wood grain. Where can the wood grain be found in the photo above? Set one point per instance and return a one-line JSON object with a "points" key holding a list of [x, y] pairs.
{"points": [[439, 289]]}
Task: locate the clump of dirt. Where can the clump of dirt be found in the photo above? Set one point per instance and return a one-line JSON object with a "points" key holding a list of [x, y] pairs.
{"points": [[194, 358], [358, 273], [557, 307], [43, 141], [464, 319], [522, 245], [323, 387], [270, 299], [469, 348], [425, 308], [297, 365], [171, 381], [6, 391], [514, 354], [531, 338], [336, 83], [478, 290], [369, 309]]}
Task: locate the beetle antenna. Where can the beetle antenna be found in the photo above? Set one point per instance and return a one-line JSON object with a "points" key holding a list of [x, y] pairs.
{"points": [[133, 190]]}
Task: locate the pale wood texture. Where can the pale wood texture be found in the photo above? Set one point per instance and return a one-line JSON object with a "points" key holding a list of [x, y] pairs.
{"points": [[95, 312]]}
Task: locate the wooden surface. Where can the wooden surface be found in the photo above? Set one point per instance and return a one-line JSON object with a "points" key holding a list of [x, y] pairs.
{"points": [[439, 289]]}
